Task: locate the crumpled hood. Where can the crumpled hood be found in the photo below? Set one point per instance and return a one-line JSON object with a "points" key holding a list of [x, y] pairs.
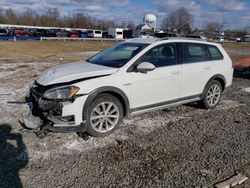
{"points": [[73, 71]]}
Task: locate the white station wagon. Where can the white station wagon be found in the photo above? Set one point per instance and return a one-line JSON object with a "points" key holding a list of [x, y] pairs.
{"points": [[131, 77]]}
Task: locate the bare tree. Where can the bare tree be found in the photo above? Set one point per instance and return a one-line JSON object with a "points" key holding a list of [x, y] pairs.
{"points": [[2, 20], [52, 17], [214, 27], [29, 17], [130, 25], [179, 20], [10, 17]]}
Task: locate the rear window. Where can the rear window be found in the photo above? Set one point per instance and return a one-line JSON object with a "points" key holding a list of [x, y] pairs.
{"points": [[98, 32], [90, 31], [215, 53], [119, 33], [192, 52]]}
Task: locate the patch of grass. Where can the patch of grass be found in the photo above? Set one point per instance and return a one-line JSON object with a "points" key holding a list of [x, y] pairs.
{"points": [[49, 50]]}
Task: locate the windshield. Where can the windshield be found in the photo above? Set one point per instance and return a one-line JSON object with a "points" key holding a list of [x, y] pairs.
{"points": [[118, 55]]}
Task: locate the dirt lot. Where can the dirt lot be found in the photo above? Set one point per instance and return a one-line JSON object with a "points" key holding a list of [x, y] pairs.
{"points": [[181, 146]]}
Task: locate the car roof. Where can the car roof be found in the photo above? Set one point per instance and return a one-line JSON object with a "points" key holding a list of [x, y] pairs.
{"points": [[172, 39]]}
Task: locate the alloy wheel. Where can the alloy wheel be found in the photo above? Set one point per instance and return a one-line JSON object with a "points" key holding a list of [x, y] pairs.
{"points": [[213, 94], [104, 117]]}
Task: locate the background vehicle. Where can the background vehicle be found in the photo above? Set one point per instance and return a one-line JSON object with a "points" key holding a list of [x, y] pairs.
{"points": [[84, 34], [139, 34], [94, 33], [94, 96], [164, 35], [62, 33], [3, 32], [247, 39], [105, 34], [21, 32], [127, 34], [52, 32], [238, 39], [74, 34], [38, 32], [116, 33], [196, 37]]}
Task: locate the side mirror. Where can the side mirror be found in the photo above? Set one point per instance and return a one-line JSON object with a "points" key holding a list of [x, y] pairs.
{"points": [[144, 67]]}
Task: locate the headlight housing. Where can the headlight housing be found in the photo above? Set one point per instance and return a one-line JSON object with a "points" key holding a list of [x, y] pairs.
{"points": [[61, 93]]}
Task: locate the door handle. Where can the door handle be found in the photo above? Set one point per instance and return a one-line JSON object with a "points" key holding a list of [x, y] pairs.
{"points": [[176, 72]]}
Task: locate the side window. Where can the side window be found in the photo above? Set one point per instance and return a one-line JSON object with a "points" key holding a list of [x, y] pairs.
{"points": [[215, 53], [162, 55], [192, 52]]}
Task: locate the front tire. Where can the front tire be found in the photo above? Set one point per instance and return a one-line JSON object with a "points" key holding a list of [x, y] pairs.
{"points": [[212, 95], [104, 115]]}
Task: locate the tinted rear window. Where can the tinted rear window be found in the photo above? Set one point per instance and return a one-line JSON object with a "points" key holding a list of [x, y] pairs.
{"points": [[192, 52], [215, 53], [119, 33]]}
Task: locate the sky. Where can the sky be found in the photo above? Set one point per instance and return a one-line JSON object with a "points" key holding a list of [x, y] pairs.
{"points": [[235, 13]]}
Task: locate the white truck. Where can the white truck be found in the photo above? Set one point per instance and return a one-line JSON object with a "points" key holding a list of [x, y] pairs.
{"points": [[94, 33], [116, 33]]}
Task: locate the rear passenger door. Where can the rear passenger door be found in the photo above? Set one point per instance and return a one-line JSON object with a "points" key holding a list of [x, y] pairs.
{"points": [[196, 68]]}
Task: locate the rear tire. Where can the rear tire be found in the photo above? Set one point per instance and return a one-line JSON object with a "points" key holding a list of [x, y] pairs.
{"points": [[212, 95], [104, 115]]}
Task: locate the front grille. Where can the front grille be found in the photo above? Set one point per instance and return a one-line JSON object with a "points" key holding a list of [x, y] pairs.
{"points": [[46, 105]]}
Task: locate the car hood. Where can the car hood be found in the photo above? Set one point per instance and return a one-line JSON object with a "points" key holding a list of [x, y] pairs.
{"points": [[73, 71]]}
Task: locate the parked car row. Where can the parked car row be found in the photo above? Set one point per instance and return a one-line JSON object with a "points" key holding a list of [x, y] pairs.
{"points": [[51, 33], [117, 33]]}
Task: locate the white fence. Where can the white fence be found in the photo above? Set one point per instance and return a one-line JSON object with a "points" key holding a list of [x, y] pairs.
{"points": [[79, 39]]}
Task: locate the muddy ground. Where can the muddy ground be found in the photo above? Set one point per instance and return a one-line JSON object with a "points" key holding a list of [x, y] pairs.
{"points": [[182, 146]]}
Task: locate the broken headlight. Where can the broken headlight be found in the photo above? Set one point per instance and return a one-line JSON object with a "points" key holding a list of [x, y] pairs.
{"points": [[61, 93]]}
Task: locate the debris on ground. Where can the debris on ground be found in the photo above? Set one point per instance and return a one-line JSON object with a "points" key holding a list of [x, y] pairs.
{"points": [[242, 68], [247, 89], [232, 182], [243, 63]]}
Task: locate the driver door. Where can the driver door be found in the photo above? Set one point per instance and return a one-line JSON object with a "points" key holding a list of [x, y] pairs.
{"points": [[157, 87]]}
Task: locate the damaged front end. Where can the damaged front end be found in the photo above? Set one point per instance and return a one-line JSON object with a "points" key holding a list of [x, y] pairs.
{"points": [[46, 109]]}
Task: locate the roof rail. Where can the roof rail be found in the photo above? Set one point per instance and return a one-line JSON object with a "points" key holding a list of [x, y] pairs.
{"points": [[164, 38], [183, 38]]}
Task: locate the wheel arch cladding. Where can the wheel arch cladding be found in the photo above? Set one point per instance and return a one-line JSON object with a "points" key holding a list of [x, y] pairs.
{"points": [[222, 81], [218, 77], [116, 92]]}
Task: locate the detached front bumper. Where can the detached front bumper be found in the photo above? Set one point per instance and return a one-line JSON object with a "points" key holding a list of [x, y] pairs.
{"points": [[57, 116]]}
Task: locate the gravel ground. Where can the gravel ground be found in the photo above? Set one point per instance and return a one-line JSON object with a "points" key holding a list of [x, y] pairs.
{"points": [[181, 146]]}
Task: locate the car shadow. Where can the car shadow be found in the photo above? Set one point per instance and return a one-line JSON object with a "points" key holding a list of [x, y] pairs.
{"points": [[196, 105], [13, 157]]}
